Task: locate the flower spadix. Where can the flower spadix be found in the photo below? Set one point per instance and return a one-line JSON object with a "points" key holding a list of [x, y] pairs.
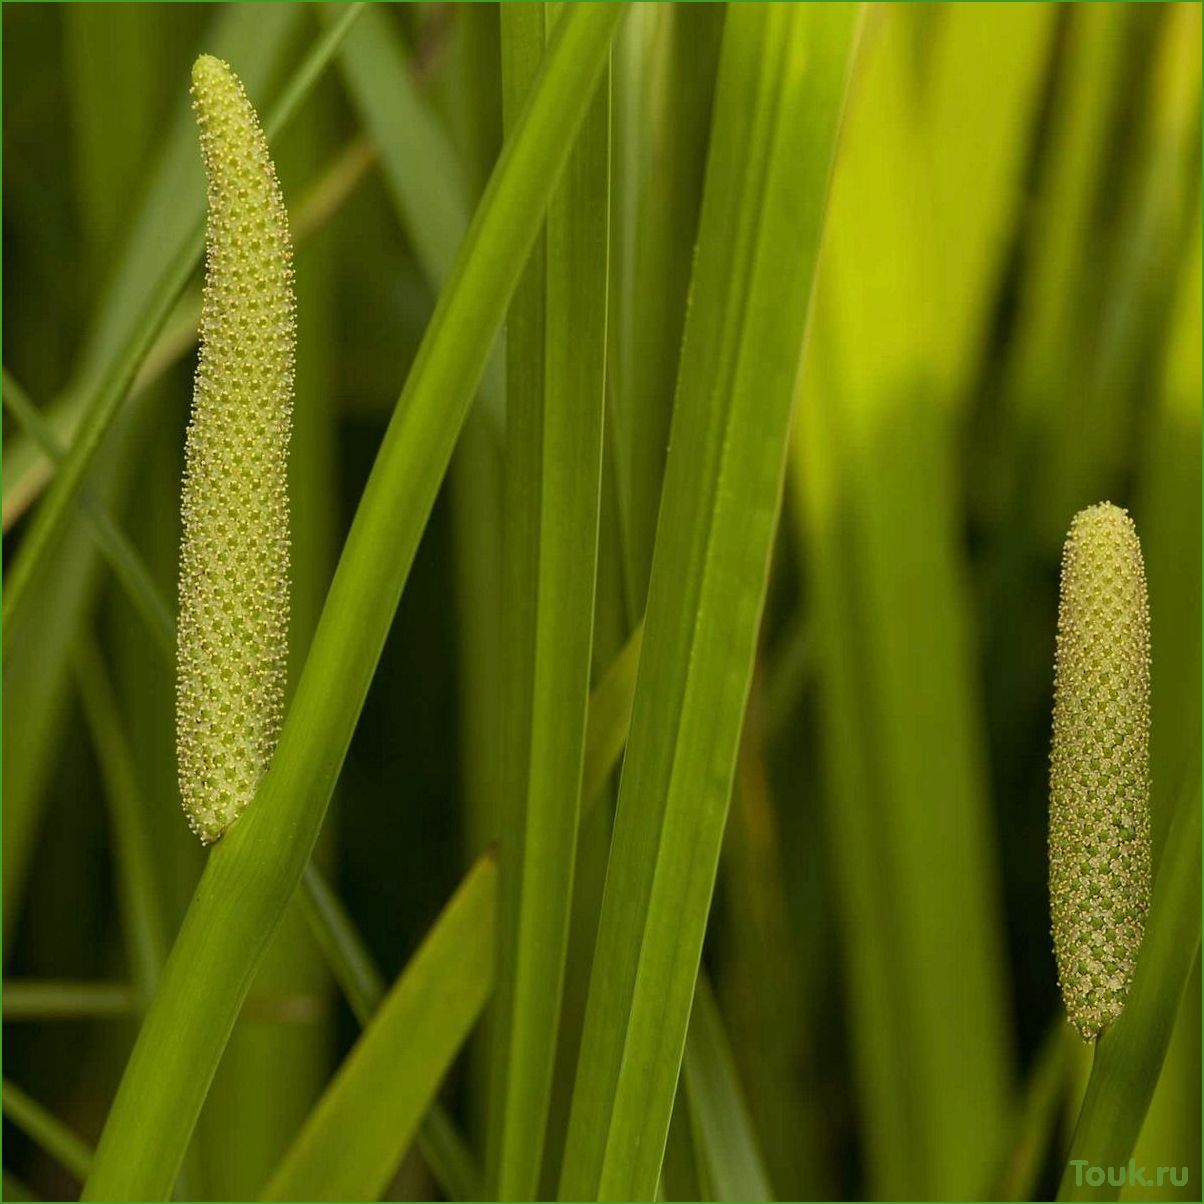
{"points": [[1099, 822], [234, 556]]}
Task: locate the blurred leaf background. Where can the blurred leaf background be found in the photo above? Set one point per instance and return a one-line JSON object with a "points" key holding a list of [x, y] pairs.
{"points": [[1005, 328]]}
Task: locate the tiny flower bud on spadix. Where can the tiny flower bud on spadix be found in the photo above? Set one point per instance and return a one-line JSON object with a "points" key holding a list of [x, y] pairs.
{"points": [[1099, 798], [234, 557]]}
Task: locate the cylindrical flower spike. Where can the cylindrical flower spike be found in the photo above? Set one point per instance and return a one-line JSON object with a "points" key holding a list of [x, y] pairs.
{"points": [[234, 557], [1099, 807]]}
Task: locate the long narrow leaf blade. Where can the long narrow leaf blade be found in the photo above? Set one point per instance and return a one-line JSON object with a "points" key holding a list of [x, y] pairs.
{"points": [[142, 910], [122, 558], [254, 870], [724, 1139], [908, 816], [427, 185], [556, 355], [418, 160], [47, 1130], [664, 76], [352, 966], [777, 111], [363, 1124]]}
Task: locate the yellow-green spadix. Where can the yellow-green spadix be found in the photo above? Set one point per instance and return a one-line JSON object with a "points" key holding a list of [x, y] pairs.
{"points": [[234, 556], [1099, 822]]}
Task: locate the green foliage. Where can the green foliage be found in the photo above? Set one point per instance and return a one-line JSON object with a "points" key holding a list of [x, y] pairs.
{"points": [[781, 85], [552, 470], [48, 1131], [910, 835], [694, 399], [254, 870], [355, 1137]]}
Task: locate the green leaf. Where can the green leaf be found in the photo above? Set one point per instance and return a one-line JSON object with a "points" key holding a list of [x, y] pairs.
{"points": [[28, 462], [60, 999], [48, 522], [170, 212], [1168, 516], [53, 1000], [1130, 1052], [907, 820], [115, 75], [1092, 304], [1168, 519], [35, 674], [1096, 416], [1037, 1118], [36, 680], [253, 871], [790, 669], [106, 390], [426, 184], [345, 952], [609, 719], [555, 358], [422, 171], [449, 1158], [664, 78], [680, 1177], [142, 909], [272, 1075], [341, 945], [363, 1124], [777, 111], [364, 989], [36, 664], [989, 62], [122, 556], [419, 163], [771, 988], [47, 1130], [472, 88], [724, 1140], [254, 41], [14, 1189]]}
